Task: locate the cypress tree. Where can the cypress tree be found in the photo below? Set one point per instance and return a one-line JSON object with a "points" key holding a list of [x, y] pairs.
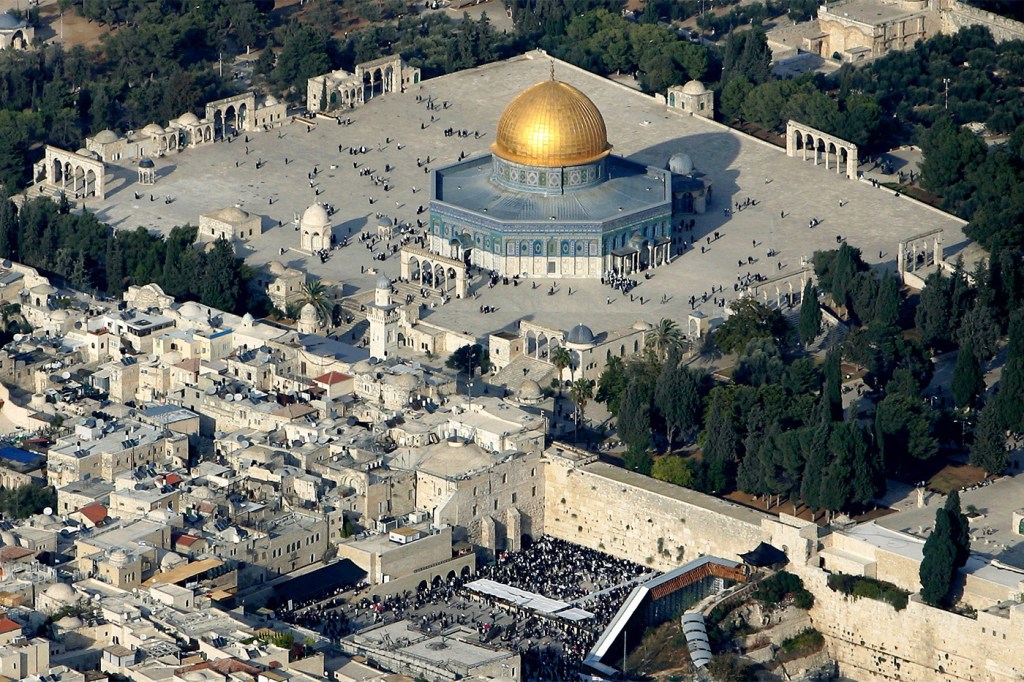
{"points": [[938, 567], [988, 450], [959, 528], [810, 315], [968, 380]]}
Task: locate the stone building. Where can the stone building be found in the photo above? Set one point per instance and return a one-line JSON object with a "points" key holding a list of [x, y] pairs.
{"points": [[550, 200], [230, 223], [855, 30], [693, 98], [314, 229], [343, 90], [15, 33]]}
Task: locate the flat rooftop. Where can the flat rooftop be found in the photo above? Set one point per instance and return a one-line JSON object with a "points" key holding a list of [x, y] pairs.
{"points": [[871, 11], [455, 646], [630, 188]]}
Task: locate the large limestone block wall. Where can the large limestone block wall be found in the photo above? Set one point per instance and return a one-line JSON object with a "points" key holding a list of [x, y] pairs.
{"points": [[874, 643], [957, 15], [632, 516]]}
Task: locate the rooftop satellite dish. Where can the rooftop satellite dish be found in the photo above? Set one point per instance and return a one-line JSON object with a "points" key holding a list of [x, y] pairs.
{"points": [[19, 337], [238, 397], [48, 511], [65, 375]]}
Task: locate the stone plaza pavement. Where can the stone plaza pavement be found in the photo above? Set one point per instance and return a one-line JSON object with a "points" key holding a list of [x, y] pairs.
{"points": [[639, 127]]}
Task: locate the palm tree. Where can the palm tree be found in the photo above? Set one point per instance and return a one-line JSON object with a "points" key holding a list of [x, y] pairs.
{"points": [[561, 358], [581, 391], [315, 294], [663, 337]]}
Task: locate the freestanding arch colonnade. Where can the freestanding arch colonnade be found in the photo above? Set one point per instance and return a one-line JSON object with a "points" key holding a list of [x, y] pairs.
{"points": [[919, 252], [782, 291], [232, 114], [803, 138], [433, 271], [76, 175]]}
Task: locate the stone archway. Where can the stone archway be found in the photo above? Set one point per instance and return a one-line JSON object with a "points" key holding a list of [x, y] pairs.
{"points": [[802, 138]]}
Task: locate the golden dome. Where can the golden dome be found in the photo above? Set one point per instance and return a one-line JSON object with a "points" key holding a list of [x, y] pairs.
{"points": [[551, 124]]}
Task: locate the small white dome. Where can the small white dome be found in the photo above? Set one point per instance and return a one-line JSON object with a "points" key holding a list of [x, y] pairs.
{"points": [[694, 87], [248, 320], [172, 357], [153, 129], [315, 216], [680, 163], [270, 101], [188, 119], [106, 137], [308, 313], [61, 592], [191, 309], [642, 326], [170, 560], [383, 282]]}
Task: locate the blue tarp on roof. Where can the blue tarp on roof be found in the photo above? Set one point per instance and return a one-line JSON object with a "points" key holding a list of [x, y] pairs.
{"points": [[18, 455]]}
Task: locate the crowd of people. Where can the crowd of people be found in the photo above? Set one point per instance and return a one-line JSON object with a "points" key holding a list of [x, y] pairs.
{"points": [[552, 648]]}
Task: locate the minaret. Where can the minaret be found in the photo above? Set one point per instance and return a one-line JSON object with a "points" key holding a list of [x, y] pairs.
{"points": [[383, 318]]}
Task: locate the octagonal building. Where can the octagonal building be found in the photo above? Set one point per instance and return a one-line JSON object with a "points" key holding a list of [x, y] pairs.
{"points": [[551, 200]]}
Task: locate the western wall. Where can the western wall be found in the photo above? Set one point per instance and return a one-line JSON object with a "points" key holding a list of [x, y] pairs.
{"points": [[630, 515]]}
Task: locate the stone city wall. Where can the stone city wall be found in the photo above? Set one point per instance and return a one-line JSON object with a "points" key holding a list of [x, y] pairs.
{"points": [[873, 642], [641, 519], [957, 15]]}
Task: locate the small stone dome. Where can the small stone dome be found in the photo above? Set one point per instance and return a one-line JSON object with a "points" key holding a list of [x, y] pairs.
{"points": [[406, 381], [362, 367], [119, 557], [61, 592], [694, 88], [642, 326], [146, 162], [106, 137], [529, 390], [172, 357], [153, 129], [70, 622], [680, 163], [188, 119], [88, 153], [170, 560], [383, 282], [191, 309], [231, 214], [308, 313], [580, 335], [248, 320], [270, 101], [315, 216]]}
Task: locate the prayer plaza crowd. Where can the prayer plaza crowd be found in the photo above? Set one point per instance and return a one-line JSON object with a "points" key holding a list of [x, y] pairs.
{"points": [[552, 647]]}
